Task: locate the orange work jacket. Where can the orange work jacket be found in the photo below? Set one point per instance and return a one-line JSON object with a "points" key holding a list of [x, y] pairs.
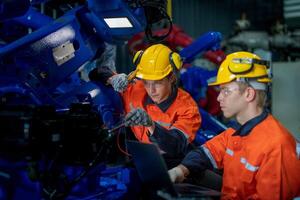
{"points": [[182, 114], [261, 165]]}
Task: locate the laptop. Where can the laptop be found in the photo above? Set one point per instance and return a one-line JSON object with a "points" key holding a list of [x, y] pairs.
{"points": [[153, 173]]}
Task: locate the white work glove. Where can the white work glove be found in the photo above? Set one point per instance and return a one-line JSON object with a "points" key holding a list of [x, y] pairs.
{"points": [[176, 175], [119, 82], [138, 117]]}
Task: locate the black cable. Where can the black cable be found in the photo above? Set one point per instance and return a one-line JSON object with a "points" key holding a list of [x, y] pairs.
{"points": [[153, 6], [162, 10], [156, 39]]}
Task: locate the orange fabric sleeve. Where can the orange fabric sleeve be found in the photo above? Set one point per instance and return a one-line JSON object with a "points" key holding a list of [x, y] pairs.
{"points": [[279, 174], [189, 122], [217, 146]]}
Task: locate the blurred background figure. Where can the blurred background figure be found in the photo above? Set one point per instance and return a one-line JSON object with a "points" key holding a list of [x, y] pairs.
{"points": [[279, 27], [242, 23]]}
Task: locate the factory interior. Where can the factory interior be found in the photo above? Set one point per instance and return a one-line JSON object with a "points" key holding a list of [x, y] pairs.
{"points": [[149, 99]]}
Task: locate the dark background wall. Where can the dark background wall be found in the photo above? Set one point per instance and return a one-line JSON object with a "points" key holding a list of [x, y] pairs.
{"points": [[199, 16]]}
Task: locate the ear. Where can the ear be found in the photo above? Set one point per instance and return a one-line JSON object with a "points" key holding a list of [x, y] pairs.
{"points": [[250, 94], [173, 78]]}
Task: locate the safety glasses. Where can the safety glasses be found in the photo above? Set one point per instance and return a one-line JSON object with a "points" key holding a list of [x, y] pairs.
{"points": [[226, 91]]}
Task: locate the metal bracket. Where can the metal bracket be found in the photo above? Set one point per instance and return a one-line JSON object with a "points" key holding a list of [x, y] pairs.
{"points": [[63, 53]]}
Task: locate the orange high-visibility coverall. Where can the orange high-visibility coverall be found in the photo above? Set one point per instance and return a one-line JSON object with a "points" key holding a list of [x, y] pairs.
{"points": [[260, 164], [178, 116]]}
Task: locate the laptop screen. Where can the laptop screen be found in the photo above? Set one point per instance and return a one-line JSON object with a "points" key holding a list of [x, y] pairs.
{"points": [[150, 166], [153, 173]]}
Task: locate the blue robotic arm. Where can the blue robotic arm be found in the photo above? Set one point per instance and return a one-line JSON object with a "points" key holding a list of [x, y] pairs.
{"points": [[43, 59], [33, 65], [207, 41]]}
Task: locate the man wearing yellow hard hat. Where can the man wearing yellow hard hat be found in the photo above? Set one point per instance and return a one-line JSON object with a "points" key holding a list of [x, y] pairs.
{"points": [[156, 110], [260, 158]]}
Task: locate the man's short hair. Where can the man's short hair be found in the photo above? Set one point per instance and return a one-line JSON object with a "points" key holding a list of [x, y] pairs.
{"points": [[261, 95]]}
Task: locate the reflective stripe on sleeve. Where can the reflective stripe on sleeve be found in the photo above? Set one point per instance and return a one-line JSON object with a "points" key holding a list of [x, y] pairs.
{"points": [[243, 160], [298, 150], [229, 152], [251, 167], [211, 158], [163, 123], [248, 166]]}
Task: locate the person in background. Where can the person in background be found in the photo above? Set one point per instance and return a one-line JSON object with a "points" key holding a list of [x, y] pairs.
{"points": [[260, 159], [279, 27], [156, 109], [243, 23]]}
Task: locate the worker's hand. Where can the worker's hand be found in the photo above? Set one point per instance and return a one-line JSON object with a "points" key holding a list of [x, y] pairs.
{"points": [[119, 82], [177, 174], [138, 117]]}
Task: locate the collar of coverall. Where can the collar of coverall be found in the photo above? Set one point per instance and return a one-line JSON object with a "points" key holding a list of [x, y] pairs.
{"points": [[245, 129], [163, 106]]}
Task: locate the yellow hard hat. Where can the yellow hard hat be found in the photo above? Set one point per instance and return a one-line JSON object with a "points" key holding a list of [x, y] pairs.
{"points": [[242, 65], [156, 62]]}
